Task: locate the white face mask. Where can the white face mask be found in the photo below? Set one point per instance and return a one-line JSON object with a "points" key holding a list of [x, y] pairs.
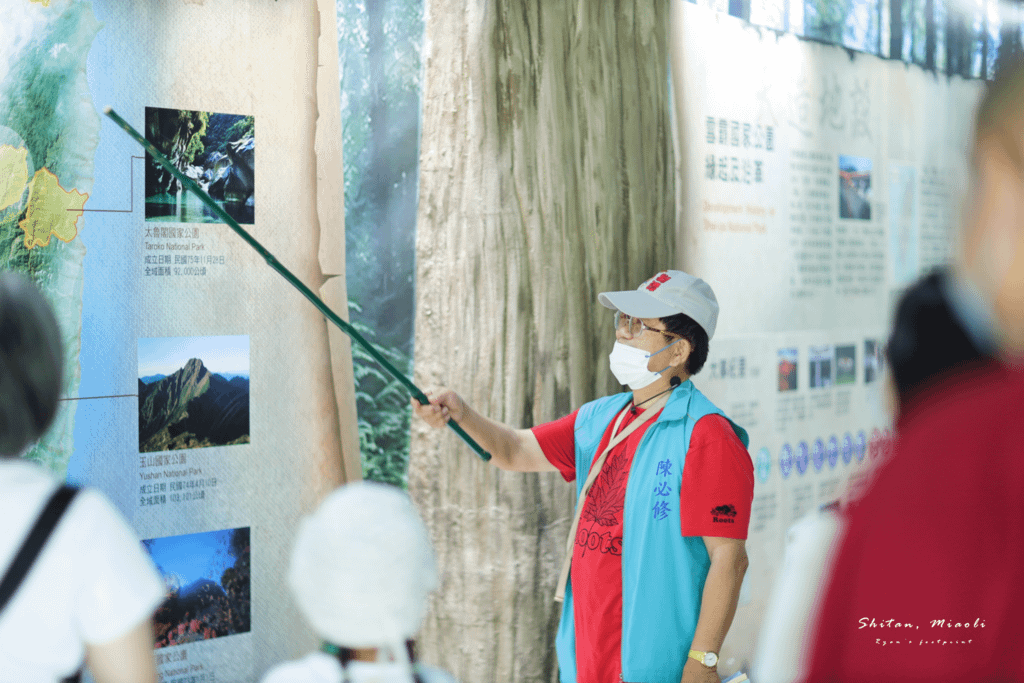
{"points": [[629, 365]]}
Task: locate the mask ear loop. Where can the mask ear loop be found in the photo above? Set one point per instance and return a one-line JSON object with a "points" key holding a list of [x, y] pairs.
{"points": [[652, 355]]}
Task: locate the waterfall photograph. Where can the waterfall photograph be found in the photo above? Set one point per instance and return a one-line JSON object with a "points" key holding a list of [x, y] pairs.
{"points": [[215, 150]]}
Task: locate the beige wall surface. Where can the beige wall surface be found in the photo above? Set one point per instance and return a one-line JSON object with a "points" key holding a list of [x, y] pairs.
{"points": [[760, 217], [275, 61]]}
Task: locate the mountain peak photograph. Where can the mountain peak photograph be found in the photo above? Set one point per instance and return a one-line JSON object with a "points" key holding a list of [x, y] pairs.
{"points": [[193, 392]]}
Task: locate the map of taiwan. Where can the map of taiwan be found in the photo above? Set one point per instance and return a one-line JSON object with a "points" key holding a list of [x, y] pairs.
{"points": [[52, 210], [13, 175], [49, 130]]}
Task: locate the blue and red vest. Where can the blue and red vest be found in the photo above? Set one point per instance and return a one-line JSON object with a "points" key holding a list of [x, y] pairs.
{"points": [[663, 572]]}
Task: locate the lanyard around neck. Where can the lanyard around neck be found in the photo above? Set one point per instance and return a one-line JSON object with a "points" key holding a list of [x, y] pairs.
{"points": [[648, 412]]}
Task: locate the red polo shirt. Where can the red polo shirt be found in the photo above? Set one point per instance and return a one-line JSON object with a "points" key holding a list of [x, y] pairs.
{"points": [[718, 474]]}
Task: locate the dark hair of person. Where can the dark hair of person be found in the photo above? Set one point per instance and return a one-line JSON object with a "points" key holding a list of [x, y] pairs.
{"points": [[686, 327], [346, 655], [31, 360], [928, 342]]}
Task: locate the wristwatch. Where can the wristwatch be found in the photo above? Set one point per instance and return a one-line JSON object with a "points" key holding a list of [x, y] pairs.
{"points": [[708, 659]]}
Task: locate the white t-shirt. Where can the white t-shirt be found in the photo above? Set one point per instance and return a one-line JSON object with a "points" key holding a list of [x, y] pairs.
{"points": [[319, 667], [92, 583], [788, 622]]}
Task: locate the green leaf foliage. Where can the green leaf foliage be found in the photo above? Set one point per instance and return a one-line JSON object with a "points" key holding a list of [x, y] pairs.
{"points": [[242, 128], [384, 413]]}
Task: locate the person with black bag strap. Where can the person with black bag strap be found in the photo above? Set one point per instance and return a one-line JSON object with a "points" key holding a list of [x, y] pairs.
{"points": [[30, 549], [76, 587]]}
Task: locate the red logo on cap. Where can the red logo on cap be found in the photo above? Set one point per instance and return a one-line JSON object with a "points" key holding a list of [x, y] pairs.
{"points": [[658, 282]]}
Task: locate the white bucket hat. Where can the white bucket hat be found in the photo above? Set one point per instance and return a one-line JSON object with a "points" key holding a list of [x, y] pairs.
{"points": [[362, 567], [670, 292]]}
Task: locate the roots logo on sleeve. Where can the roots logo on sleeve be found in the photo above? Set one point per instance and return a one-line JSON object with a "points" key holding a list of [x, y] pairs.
{"points": [[724, 514]]}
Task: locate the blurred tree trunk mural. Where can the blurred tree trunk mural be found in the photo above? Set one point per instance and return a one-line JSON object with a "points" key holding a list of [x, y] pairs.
{"points": [[546, 176]]}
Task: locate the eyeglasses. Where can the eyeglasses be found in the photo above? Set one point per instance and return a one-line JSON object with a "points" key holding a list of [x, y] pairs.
{"points": [[634, 327]]}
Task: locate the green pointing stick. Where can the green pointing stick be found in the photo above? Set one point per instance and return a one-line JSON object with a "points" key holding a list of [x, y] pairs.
{"points": [[192, 187]]}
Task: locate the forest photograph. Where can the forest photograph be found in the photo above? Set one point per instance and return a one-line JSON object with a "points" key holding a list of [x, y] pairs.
{"points": [[380, 46], [207, 579], [217, 151]]}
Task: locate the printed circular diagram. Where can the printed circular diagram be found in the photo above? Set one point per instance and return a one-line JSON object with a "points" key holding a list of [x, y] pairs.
{"points": [[860, 445], [786, 461], [764, 464], [847, 448], [833, 452], [802, 457], [818, 455]]}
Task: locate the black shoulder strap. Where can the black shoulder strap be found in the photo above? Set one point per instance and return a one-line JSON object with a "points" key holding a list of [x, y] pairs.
{"points": [[34, 543]]}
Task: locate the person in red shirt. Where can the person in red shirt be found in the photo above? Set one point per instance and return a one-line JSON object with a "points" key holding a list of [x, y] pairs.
{"points": [[926, 580], [662, 333]]}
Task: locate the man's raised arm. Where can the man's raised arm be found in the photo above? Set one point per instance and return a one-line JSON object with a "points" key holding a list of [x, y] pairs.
{"points": [[516, 450]]}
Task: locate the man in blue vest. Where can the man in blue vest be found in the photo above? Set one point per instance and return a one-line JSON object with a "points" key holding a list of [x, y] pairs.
{"points": [[664, 492]]}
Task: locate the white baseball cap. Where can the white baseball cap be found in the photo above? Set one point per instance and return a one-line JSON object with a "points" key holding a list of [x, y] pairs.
{"points": [[362, 567], [670, 292]]}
